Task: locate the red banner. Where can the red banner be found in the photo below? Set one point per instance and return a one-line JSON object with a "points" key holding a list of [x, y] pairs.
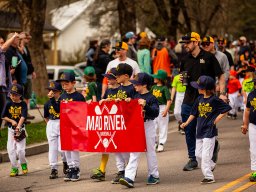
{"points": [[109, 127]]}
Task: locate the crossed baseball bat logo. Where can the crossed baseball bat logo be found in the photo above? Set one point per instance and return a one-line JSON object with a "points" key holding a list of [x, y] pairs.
{"points": [[106, 141]]}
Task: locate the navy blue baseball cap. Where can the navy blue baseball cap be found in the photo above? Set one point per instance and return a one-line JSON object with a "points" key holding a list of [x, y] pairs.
{"points": [[111, 74], [142, 79], [123, 69], [204, 82], [67, 76], [17, 89], [55, 86]]}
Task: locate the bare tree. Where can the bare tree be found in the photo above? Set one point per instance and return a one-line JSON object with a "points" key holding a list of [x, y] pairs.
{"points": [[32, 18]]}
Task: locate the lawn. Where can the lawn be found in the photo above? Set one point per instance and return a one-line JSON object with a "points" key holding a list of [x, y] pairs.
{"points": [[36, 134]]}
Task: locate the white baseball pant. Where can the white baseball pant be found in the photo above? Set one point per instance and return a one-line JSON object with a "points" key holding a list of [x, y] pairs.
{"points": [[252, 139], [234, 102], [15, 149], [121, 160], [161, 123], [53, 136], [204, 152], [131, 168], [177, 105]]}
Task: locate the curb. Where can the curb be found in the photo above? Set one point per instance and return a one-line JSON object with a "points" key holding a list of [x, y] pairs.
{"points": [[36, 149], [30, 150]]}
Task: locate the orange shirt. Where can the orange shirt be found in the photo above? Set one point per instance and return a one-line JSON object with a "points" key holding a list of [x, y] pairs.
{"points": [[161, 61], [233, 85]]}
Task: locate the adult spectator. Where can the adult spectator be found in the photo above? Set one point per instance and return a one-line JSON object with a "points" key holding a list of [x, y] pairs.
{"points": [[101, 60], [121, 50], [130, 39], [160, 57], [243, 45], [93, 44], [5, 72], [222, 47], [208, 45], [23, 49], [143, 55], [197, 62]]}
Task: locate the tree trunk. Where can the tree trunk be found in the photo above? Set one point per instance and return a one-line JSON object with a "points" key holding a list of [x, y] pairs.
{"points": [[175, 9], [32, 18], [127, 15]]}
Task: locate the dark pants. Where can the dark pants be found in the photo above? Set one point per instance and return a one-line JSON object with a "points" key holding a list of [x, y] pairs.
{"points": [[2, 104], [190, 130], [99, 90]]}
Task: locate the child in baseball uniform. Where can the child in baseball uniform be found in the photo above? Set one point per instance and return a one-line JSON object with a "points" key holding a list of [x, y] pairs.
{"points": [[125, 92], [52, 118], [14, 114], [178, 91], [90, 91], [250, 124], [234, 89], [110, 94], [151, 111], [67, 80], [209, 110], [162, 93]]}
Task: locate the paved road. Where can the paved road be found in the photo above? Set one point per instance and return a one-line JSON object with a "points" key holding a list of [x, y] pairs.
{"points": [[230, 173]]}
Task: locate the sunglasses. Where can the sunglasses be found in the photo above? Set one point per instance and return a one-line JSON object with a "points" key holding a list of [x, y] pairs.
{"points": [[205, 44]]}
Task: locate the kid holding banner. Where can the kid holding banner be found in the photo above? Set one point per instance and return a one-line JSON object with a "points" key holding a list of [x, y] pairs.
{"points": [[150, 105], [67, 80], [110, 94]]}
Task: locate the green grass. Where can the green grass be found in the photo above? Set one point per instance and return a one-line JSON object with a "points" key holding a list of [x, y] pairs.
{"points": [[36, 134]]}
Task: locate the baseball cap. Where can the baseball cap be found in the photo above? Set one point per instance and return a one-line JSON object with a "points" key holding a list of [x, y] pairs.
{"points": [[192, 36], [232, 73], [207, 39], [121, 45], [89, 71], [67, 76], [204, 82], [111, 74], [161, 74], [16, 89], [130, 35], [142, 79], [55, 86], [124, 68], [242, 38], [143, 34]]}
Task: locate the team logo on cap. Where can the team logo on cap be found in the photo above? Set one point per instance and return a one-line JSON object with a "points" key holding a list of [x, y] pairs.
{"points": [[253, 104], [15, 88], [51, 85], [62, 76]]}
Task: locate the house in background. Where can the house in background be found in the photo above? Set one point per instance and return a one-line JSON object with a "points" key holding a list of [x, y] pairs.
{"points": [[80, 22]]}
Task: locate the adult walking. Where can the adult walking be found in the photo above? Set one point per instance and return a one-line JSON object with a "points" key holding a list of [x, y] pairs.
{"points": [[196, 63], [5, 72], [101, 60]]}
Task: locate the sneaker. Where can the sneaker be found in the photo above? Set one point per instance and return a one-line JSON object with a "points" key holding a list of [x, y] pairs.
{"points": [[75, 174], [68, 175], [119, 175], [126, 182], [191, 165], [98, 174], [153, 180], [252, 178], [65, 168], [54, 174], [14, 172], [229, 116], [24, 168], [216, 151], [234, 116], [160, 148], [207, 181]]}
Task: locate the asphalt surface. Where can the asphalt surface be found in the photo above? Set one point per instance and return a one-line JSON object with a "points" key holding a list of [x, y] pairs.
{"points": [[230, 174]]}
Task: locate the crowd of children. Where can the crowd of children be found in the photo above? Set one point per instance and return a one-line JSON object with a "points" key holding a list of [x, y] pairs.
{"points": [[153, 94]]}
